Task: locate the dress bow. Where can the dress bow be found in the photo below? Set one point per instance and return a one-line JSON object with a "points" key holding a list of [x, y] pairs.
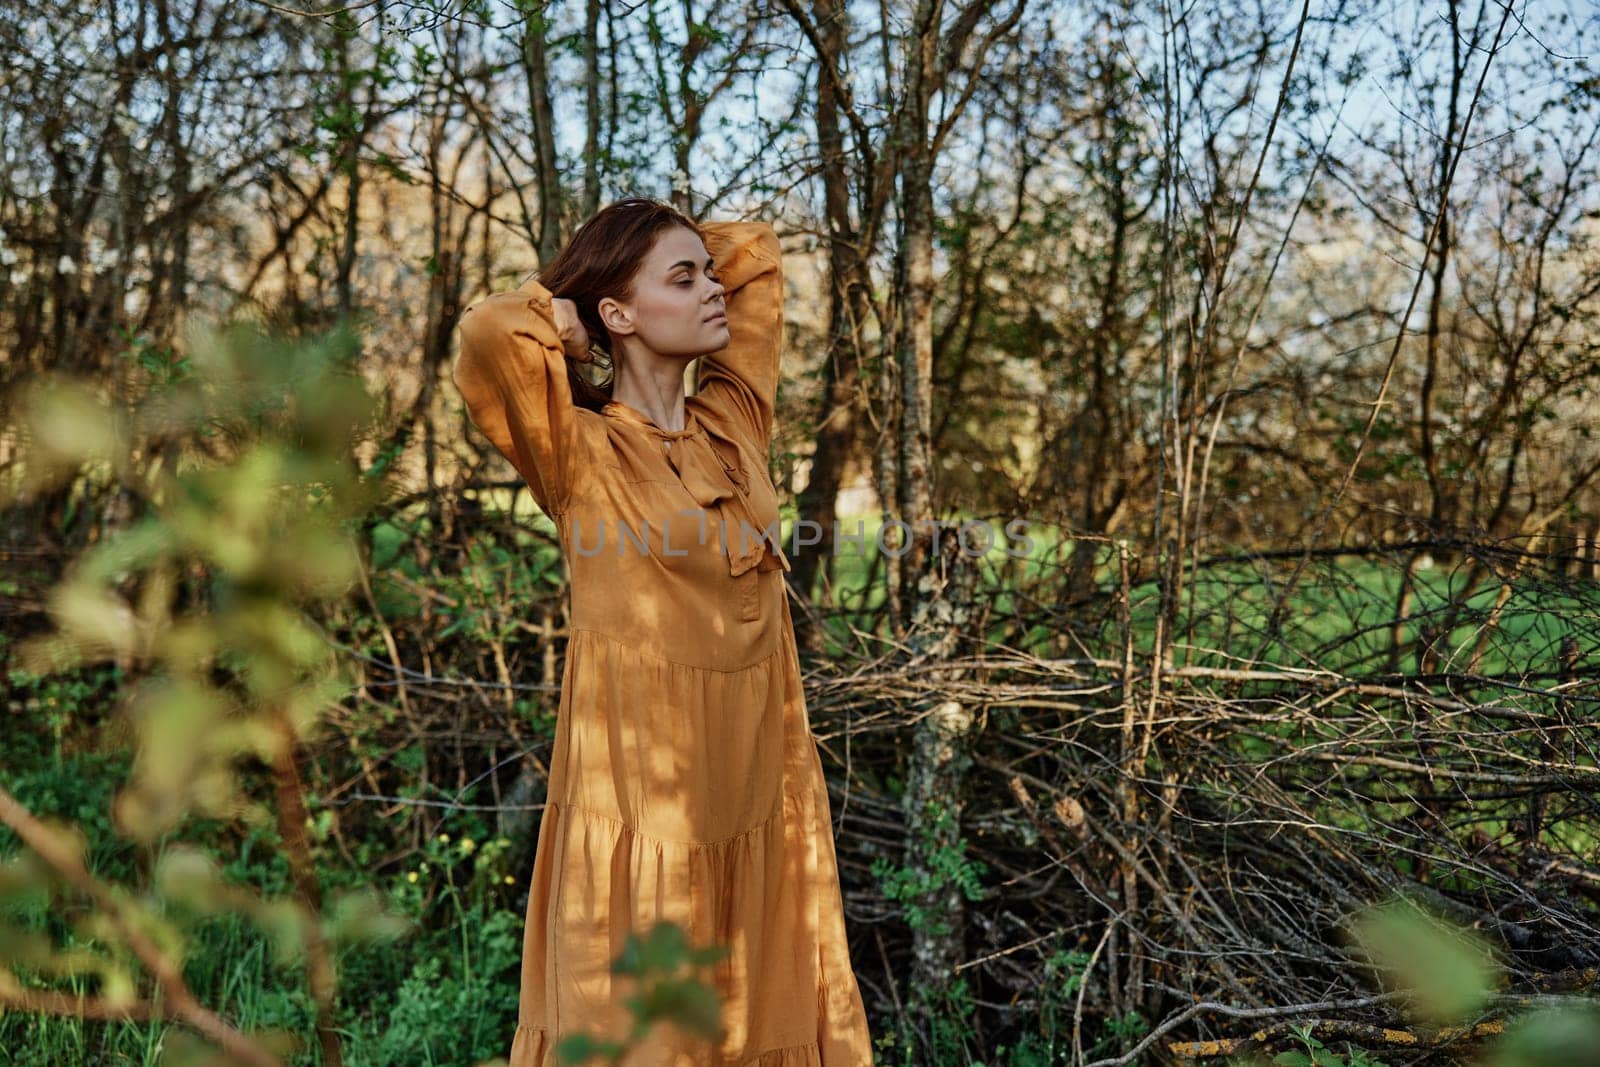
{"points": [[717, 485]]}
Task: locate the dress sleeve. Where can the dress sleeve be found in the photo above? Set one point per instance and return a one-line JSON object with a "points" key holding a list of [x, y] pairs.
{"points": [[742, 378], [512, 373]]}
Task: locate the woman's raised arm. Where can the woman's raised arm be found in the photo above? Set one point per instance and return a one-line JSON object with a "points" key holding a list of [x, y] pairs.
{"points": [[742, 378], [512, 373]]}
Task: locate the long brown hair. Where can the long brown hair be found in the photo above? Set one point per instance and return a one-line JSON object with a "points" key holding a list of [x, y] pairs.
{"points": [[601, 260]]}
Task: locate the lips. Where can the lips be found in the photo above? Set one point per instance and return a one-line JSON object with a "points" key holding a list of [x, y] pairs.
{"points": [[720, 316]]}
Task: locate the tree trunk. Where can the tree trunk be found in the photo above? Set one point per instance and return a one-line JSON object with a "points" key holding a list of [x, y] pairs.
{"points": [[849, 303], [535, 61]]}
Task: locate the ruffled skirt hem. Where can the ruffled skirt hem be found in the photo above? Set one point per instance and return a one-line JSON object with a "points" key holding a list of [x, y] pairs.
{"points": [[533, 1047], [838, 1015]]}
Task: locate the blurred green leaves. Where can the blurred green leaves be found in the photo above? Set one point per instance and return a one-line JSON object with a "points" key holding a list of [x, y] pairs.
{"points": [[1551, 1037], [189, 879], [246, 469], [1452, 976], [662, 964], [1448, 971], [246, 499]]}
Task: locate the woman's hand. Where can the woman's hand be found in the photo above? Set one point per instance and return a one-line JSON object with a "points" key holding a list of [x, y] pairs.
{"points": [[574, 335]]}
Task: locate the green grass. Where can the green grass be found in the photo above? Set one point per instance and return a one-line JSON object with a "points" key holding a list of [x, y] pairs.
{"points": [[446, 994]]}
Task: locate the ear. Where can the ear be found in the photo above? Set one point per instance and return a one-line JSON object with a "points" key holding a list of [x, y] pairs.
{"points": [[617, 317]]}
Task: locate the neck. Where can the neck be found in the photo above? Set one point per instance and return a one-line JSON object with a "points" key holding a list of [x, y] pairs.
{"points": [[655, 390]]}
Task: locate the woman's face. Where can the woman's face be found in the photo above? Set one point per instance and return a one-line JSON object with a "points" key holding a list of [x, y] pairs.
{"points": [[677, 307]]}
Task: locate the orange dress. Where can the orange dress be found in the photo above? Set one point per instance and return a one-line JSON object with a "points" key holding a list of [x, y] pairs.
{"points": [[685, 783]]}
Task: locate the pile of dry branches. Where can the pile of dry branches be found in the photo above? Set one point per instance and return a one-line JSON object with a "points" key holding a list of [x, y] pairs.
{"points": [[1201, 794]]}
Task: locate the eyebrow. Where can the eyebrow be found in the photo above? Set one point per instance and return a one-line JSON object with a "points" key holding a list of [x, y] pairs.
{"points": [[687, 263]]}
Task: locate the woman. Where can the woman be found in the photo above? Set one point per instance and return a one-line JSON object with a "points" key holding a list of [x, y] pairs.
{"points": [[684, 782]]}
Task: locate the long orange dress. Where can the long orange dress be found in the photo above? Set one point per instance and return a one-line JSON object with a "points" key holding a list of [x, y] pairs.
{"points": [[685, 783]]}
